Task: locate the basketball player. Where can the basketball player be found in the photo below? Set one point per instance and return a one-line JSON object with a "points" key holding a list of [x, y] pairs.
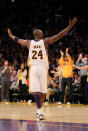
{"points": [[39, 63]]}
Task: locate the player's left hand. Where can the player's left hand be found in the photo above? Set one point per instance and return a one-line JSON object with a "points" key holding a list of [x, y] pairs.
{"points": [[73, 21]]}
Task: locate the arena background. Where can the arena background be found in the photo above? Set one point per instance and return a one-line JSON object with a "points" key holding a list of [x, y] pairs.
{"points": [[25, 15], [22, 16]]}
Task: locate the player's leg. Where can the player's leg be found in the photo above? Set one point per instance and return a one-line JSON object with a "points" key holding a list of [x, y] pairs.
{"points": [[42, 73], [42, 97], [35, 89], [39, 101]]}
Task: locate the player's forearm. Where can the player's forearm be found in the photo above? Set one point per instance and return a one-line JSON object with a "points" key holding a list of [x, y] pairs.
{"points": [[16, 39], [12, 36], [61, 34], [51, 40]]}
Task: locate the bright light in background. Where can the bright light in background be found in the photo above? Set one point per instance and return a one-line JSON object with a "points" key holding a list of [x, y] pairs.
{"points": [[12, 1]]}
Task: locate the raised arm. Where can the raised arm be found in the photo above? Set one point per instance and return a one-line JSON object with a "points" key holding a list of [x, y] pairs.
{"points": [[51, 40], [18, 40]]}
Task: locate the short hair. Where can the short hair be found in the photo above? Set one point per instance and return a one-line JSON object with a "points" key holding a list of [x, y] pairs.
{"points": [[37, 32]]}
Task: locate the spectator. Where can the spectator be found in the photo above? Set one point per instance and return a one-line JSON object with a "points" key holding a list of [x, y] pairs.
{"points": [[13, 78], [22, 73], [52, 89], [59, 73], [5, 83], [83, 74], [76, 80], [67, 74]]}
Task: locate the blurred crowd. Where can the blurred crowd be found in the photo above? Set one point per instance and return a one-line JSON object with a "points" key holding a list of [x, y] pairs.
{"points": [[69, 89]]}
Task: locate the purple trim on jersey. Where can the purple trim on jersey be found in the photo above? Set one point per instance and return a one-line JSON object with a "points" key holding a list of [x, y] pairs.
{"points": [[37, 40]]}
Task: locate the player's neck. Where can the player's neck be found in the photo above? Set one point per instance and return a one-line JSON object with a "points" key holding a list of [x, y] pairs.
{"points": [[37, 39]]}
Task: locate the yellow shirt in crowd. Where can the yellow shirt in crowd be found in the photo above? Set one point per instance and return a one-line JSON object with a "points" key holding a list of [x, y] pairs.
{"points": [[67, 67], [20, 76]]}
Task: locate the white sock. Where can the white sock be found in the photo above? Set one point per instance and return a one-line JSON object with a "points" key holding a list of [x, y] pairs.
{"points": [[39, 111]]}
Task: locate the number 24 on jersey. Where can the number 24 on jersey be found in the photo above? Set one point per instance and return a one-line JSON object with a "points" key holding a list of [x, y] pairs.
{"points": [[36, 54]]}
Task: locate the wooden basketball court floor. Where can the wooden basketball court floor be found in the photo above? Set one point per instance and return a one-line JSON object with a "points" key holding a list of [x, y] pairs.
{"points": [[21, 117]]}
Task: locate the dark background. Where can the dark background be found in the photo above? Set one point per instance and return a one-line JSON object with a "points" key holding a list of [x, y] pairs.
{"points": [[22, 16]]}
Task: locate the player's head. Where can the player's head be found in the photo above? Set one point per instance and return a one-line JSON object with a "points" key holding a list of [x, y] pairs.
{"points": [[38, 34]]}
